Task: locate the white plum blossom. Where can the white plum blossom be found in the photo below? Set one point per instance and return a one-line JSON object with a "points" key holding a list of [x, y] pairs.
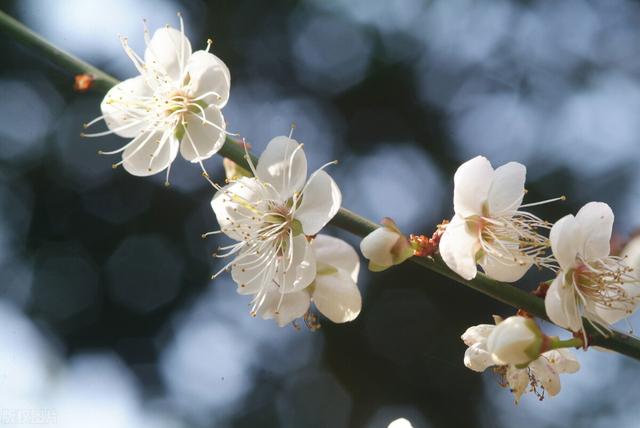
{"points": [[173, 105], [386, 246], [539, 376], [270, 215], [334, 290], [590, 282], [489, 228]]}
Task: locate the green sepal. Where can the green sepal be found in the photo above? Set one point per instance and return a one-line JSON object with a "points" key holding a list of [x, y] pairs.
{"points": [[405, 254], [377, 268], [296, 227], [201, 103], [326, 270], [273, 219], [179, 132], [534, 350]]}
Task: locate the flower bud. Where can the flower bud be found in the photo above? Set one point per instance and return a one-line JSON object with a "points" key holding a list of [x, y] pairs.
{"points": [[385, 247], [516, 340]]}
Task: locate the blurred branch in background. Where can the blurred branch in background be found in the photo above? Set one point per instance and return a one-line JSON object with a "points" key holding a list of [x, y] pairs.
{"points": [[101, 80], [345, 219]]}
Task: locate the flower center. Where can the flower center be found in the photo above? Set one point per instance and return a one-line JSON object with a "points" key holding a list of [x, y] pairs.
{"points": [[176, 100], [511, 239], [602, 282], [278, 221]]}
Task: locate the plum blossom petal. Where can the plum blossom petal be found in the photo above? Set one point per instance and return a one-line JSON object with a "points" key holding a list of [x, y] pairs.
{"points": [[301, 270], [458, 247], [321, 200], [236, 204], [337, 297], [561, 305], [546, 375], [507, 188], [250, 275], [284, 308], [477, 358], [504, 270], [125, 122], [336, 253], [565, 237], [477, 334], [149, 153], [562, 360], [472, 181], [202, 140], [595, 220], [209, 78], [631, 253], [518, 381], [283, 165], [168, 51]]}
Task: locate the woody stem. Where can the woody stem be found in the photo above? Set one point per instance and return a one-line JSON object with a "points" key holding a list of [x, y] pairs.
{"points": [[345, 219]]}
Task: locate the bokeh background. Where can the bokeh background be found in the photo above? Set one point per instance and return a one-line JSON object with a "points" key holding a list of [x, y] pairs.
{"points": [[108, 317]]}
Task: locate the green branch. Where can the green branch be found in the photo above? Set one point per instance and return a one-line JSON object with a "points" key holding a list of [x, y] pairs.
{"points": [[69, 63], [345, 219]]}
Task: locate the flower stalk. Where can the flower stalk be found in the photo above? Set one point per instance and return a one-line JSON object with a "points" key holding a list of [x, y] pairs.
{"points": [[345, 219], [556, 343]]}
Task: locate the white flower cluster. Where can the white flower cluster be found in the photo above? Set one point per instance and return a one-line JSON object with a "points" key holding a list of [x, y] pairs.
{"points": [[275, 212], [275, 215], [279, 258], [512, 348], [490, 229]]}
